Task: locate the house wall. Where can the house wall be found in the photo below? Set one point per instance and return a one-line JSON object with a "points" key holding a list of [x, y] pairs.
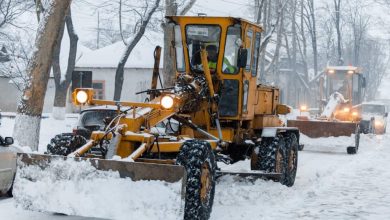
{"points": [[10, 96], [135, 80]]}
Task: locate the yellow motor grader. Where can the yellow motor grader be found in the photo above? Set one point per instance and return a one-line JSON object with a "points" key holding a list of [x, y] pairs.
{"points": [[215, 111]]}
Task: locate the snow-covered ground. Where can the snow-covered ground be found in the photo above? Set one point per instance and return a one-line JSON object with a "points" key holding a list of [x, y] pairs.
{"points": [[330, 184]]}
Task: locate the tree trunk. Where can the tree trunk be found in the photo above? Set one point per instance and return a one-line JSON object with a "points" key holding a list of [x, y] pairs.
{"points": [[312, 26], [263, 15], [337, 4], [168, 64], [120, 68], [294, 36], [62, 85], [171, 8], [29, 112]]}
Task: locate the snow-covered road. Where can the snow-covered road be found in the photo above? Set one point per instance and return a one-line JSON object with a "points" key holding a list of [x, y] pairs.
{"points": [[330, 184]]}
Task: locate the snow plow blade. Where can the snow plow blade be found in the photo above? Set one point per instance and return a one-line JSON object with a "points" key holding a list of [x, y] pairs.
{"points": [[98, 188], [134, 170], [316, 129]]}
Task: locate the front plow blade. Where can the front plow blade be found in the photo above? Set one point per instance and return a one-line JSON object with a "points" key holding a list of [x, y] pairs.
{"points": [[134, 170], [316, 129], [99, 188]]}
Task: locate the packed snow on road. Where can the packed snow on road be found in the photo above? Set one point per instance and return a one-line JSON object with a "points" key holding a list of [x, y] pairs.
{"points": [[330, 184]]}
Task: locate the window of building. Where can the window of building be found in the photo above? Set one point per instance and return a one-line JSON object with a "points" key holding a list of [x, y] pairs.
{"points": [[99, 88]]}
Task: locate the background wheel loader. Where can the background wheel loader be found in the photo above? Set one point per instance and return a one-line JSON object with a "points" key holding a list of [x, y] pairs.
{"points": [[340, 96], [221, 112]]}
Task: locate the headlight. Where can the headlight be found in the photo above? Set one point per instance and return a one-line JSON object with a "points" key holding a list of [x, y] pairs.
{"points": [[346, 109], [167, 102], [303, 108], [378, 123], [354, 114], [331, 71], [82, 97]]}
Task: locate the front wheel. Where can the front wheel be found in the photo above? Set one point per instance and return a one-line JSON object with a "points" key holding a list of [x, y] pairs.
{"points": [[65, 143], [199, 161]]}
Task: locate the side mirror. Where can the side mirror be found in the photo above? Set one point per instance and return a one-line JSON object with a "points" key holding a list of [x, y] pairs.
{"points": [[8, 141], [242, 58], [386, 114]]}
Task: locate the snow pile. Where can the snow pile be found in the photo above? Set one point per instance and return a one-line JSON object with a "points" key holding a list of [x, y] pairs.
{"points": [[77, 188]]}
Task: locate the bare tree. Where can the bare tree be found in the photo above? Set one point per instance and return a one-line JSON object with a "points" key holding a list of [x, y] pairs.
{"points": [[28, 118], [143, 22], [311, 24], [171, 8], [359, 23], [375, 61], [10, 10], [280, 12], [271, 14], [17, 59], [62, 81], [337, 21]]}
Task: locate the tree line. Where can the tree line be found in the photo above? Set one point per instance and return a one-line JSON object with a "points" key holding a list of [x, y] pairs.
{"points": [[310, 33]]}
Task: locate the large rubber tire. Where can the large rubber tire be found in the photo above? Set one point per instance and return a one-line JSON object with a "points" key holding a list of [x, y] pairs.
{"points": [[9, 192], [264, 154], [357, 137], [65, 143], [355, 149], [260, 158], [274, 155], [199, 161], [292, 148]]}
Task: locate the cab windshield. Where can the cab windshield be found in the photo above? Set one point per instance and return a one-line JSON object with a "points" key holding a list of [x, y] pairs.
{"points": [[374, 109], [341, 83], [207, 36]]}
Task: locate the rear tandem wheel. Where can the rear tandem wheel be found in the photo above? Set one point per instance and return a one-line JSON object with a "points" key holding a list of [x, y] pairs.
{"points": [[277, 155], [354, 149]]}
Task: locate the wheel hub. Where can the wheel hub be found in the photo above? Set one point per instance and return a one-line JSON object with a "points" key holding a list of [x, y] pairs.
{"points": [[205, 180], [292, 160], [279, 162]]}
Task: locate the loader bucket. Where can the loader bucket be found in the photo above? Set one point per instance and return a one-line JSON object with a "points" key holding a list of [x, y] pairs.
{"points": [[316, 129], [106, 187]]}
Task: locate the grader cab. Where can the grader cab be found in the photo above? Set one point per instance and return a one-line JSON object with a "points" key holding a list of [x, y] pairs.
{"points": [[221, 114]]}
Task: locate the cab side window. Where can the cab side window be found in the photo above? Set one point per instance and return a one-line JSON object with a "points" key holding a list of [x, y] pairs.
{"points": [[249, 36], [233, 43], [256, 54]]}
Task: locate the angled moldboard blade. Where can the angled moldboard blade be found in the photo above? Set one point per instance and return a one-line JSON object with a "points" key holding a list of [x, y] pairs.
{"points": [[316, 129], [134, 170]]}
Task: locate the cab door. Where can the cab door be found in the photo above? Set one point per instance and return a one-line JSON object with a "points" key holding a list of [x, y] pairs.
{"points": [[249, 76]]}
